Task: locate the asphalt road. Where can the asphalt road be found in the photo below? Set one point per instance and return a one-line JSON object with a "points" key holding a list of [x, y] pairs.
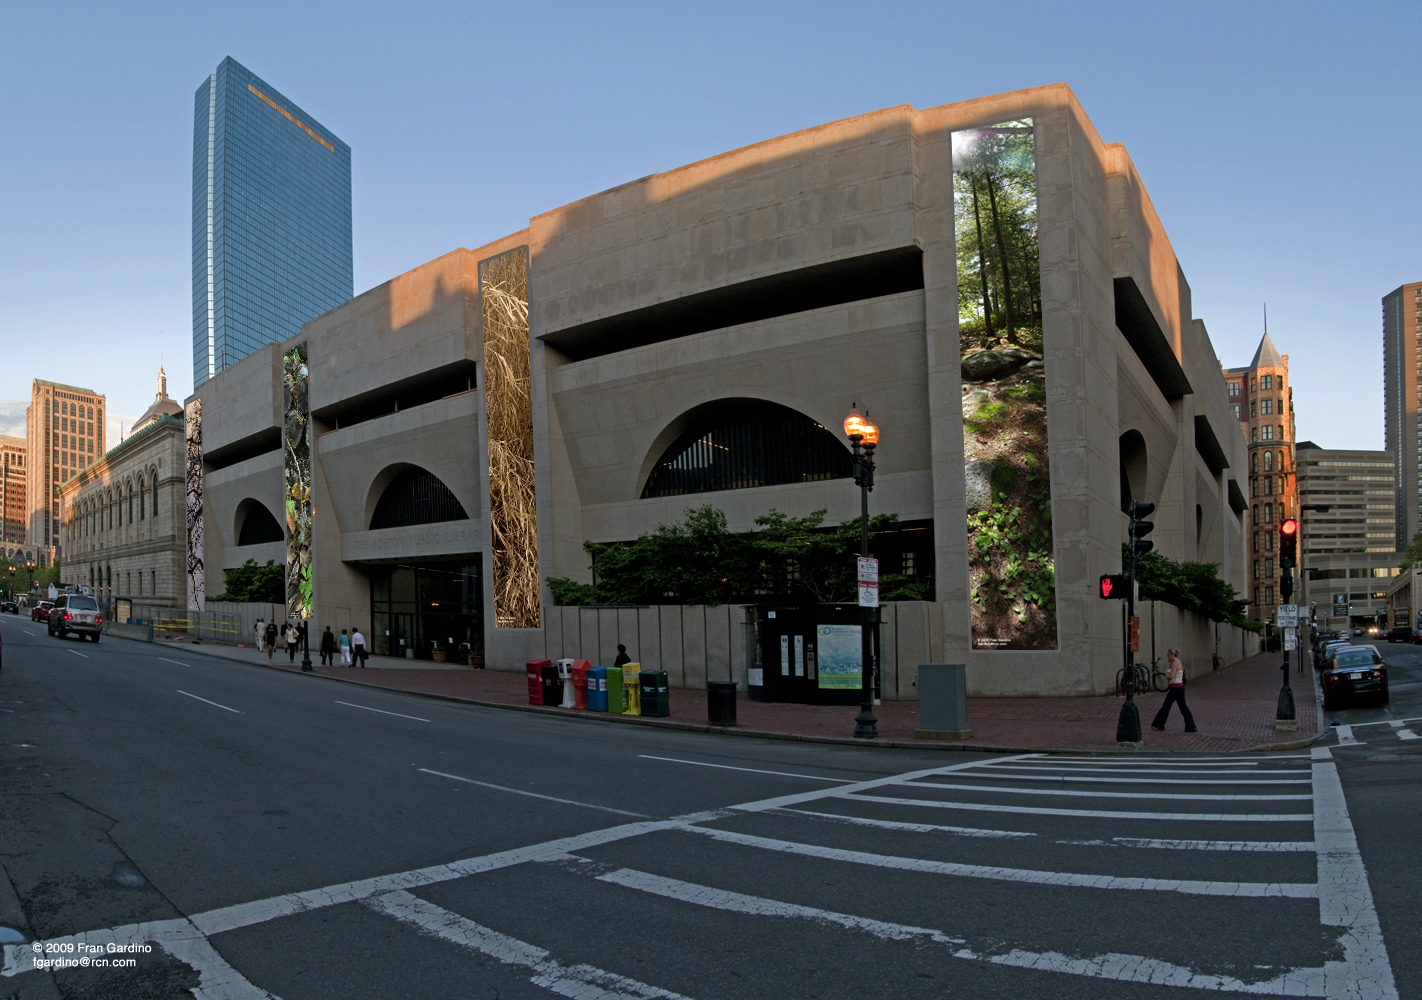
{"points": [[271, 834]]}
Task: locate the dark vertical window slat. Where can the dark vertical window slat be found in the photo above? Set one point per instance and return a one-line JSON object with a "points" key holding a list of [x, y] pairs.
{"points": [[742, 444]]}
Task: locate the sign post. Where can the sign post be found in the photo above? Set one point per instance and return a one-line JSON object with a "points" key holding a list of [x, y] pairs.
{"points": [[868, 582]]}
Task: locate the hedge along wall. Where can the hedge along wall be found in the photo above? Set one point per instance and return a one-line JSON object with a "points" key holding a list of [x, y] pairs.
{"points": [[696, 643]]}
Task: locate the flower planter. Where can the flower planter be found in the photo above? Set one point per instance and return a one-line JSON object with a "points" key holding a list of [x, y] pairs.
{"points": [[438, 655]]}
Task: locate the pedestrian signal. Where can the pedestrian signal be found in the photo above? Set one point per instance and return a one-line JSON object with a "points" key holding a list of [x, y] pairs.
{"points": [[1113, 587]]}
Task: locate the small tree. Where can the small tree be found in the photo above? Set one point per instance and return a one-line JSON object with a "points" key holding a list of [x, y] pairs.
{"points": [[250, 583]]}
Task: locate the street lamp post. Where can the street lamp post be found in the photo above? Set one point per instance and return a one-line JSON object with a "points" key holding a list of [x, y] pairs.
{"points": [[1284, 717], [863, 436]]}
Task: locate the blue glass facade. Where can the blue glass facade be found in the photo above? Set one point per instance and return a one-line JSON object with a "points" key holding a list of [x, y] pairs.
{"points": [[271, 219]]}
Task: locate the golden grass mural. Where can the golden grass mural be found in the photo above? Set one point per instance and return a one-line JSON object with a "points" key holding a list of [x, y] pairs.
{"points": [[508, 405]]}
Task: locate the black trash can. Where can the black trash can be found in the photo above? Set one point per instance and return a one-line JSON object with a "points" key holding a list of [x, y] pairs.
{"points": [[721, 703], [552, 685], [656, 700]]}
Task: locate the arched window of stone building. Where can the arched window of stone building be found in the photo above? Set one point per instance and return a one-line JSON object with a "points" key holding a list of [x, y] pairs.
{"points": [[416, 496], [142, 499], [130, 503], [737, 444], [1268, 461], [155, 494]]}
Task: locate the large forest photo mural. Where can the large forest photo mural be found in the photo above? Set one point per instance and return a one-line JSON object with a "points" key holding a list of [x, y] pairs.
{"points": [[1010, 569]]}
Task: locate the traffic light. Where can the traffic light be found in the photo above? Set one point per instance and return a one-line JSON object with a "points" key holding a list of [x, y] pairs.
{"points": [[1288, 543], [1114, 586], [1140, 528]]}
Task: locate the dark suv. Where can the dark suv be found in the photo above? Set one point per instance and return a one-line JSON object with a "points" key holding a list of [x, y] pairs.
{"points": [[1399, 633], [77, 613]]}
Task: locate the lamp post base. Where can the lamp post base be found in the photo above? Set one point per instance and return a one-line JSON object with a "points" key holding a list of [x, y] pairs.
{"points": [[866, 727], [1285, 718], [1128, 725]]}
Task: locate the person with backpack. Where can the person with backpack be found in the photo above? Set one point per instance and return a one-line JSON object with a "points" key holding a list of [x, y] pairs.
{"points": [[1174, 694]]}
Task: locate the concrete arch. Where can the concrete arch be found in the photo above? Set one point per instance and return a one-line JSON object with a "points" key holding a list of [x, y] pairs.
{"points": [[387, 476], [660, 435], [246, 508]]}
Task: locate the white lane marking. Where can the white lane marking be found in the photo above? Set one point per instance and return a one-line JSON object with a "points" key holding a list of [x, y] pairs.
{"points": [[1291, 890], [889, 824], [217, 980], [1093, 813], [1216, 845], [1395, 725], [736, 902], [1123, 968], [28, 632], [1135, 760], [1322, 753], [178, 662], [570, 981], [1048, 769], [754, 770], [77, 653], [260, 911], [1406, 734], [1107, 794], [783, 801], [382, 711], [534, 795], [1346, 737], [1344, 898], [209, 702], [1006, 776], [1386, 722]]}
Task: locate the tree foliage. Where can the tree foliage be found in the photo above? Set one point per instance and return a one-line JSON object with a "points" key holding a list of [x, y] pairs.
{"points": [[701, 561], [1193, 586], [250, 583], [1413, 555]]}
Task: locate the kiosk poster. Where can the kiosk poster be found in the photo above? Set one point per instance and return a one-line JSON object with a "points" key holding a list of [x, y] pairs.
{"points": [[1010, 563], [841, 657]]}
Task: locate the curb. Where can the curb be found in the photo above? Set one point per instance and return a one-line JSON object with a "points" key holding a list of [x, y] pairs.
{"points": [[694, 727]]}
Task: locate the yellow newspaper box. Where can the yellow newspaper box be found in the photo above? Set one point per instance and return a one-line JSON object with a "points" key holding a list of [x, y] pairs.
{"points": [[632, 688]]}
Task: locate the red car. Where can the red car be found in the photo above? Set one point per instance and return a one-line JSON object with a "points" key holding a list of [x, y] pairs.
{"points": [[40, 612]]}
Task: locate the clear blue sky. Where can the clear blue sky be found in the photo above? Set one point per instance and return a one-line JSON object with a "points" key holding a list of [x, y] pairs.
{"points": [[1280, 143]]}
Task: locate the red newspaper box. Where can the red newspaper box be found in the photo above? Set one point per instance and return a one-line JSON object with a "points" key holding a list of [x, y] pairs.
{"points": [[534, 669], [580, 683]]}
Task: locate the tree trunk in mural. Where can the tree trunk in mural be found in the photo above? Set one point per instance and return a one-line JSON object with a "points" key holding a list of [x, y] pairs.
{"points": [[982, 267], [1002, 256], [193, 483], [508, 407]]}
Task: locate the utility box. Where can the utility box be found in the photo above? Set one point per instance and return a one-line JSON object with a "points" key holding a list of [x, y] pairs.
{"points": [[580, 683], [615, 699], [597, 689], [534, 670], [943, 702], [631, 689], [551, 685]]}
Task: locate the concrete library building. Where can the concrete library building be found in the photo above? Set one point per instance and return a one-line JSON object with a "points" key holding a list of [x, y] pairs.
{"points": [[427, 456]]}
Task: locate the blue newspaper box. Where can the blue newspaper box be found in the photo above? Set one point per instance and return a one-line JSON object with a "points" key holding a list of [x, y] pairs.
{"points": [[597, 689]]}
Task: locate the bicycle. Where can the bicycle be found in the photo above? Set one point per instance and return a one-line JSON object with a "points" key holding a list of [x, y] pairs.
{"points": [[1140, 679], [1159, 679]]}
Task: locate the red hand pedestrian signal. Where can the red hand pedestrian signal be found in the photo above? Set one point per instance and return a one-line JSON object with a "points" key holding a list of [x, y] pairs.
{"points": [[1113, 587]]}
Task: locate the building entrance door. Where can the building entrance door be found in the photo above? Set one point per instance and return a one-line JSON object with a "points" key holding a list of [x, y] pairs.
{"points": [[394, 633]]}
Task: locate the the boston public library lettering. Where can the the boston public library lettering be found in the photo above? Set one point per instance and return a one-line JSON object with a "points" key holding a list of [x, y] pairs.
{"points": [[988, 280]]}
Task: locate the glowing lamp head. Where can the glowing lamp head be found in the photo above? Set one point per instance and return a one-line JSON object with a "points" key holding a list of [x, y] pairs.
{"points": [[871, 431], [855, 425]]}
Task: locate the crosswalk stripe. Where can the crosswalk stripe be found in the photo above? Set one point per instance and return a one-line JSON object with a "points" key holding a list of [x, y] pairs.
{"points": [[1113, 966], [888, 824], [1406, 734], [576, 981], [1005, 776], [1194, 797], [995, 769], [1291, 890], [1091, 813], [1217, 845]]}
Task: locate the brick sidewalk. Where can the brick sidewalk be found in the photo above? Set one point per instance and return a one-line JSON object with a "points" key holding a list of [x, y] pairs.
{"points": [[1234, 708]]}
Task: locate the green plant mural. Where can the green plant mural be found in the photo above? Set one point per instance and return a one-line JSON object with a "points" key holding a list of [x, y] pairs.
{"points": [[296, 442], [1011, 571]]}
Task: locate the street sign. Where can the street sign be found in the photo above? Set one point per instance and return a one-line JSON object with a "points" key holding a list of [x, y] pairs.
{"points": [[1287, 616], [1291, 639], [868, 569], [1340, 605], [1135, 634], [868, 594]]}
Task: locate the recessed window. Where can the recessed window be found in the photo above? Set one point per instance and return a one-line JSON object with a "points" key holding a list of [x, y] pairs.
{"points": [[416, 496]]}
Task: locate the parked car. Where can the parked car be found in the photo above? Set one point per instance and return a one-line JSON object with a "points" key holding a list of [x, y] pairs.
{"points": [[39, 611], [1354, 673], [1401, 633], [1328, 650], [9, 607], [77, 613]]}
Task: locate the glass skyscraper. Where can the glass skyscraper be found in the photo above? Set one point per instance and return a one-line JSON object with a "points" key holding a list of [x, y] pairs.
{"points": [[271, 219]]}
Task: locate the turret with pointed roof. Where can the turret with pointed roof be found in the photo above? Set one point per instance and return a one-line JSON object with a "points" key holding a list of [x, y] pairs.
{"points": [[162, 405], [1267, 356]]}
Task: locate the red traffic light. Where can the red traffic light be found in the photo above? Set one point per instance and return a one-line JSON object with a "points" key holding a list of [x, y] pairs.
{"points": [[1289, 527]]}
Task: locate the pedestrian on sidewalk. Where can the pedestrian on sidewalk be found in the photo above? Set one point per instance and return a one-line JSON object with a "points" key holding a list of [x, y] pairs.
{"points": [[358, 646], [328, 648], [622, 658], [345, 642], [269, 638], [293, 637], [1174, 694], [260, 630]]}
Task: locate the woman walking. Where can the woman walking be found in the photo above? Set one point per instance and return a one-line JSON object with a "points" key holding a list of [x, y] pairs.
{"points": [[1174, 694], [270, 639], [293, 638], [345, 642]]}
